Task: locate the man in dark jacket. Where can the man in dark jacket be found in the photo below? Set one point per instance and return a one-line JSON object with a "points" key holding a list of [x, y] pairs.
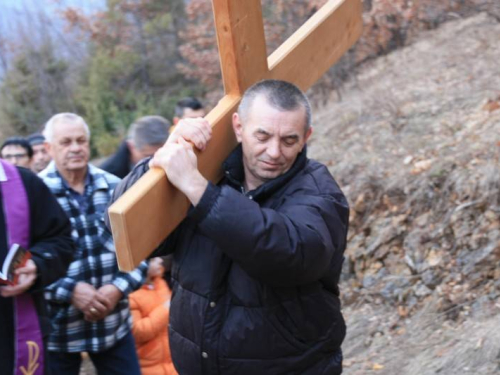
{"points": [[257, 260], [29, 216], [146, 135]]}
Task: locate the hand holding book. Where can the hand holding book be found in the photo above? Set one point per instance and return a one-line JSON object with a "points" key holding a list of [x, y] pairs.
{"points": [[26, 278], [18, 272]]}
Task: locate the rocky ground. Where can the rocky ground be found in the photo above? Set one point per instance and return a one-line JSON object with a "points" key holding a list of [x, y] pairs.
{"points": [[415, 145]]}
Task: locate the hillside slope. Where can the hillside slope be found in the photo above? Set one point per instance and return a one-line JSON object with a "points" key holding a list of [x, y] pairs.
{"points": [[415, 145]]}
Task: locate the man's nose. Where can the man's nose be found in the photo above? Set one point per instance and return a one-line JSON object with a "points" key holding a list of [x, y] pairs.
{"points": [[75, 146], [274, 150]]}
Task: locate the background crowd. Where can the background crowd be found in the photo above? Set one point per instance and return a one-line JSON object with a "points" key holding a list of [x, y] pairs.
{"points": [[84, 304]]}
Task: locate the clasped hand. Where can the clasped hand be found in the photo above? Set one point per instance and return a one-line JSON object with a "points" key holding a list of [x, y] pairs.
{"points": [[94, 303]]}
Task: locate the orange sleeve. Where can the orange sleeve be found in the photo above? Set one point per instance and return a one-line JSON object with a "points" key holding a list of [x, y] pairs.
{"points": [[145, 328]]}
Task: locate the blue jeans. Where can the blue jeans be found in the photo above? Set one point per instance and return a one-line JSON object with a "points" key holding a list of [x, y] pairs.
{"points": [[121, 359]]}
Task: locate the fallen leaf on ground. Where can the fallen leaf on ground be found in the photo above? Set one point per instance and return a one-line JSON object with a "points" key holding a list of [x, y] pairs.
{"points": [[377, 366]]}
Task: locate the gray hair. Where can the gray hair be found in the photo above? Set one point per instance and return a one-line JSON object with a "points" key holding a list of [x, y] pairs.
{"points": [[149, 131], [282, 95], [48, 131]]}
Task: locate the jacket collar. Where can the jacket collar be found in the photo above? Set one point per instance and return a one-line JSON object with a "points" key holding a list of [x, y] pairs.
{"points": [[95, 178], [235, 174]]}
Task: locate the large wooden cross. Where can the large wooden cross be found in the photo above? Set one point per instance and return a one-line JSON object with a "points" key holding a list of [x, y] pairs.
{"points": [[151, 209]]}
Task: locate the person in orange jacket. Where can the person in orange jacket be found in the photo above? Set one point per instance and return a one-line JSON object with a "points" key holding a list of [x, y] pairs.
{"points": [[150, 308]]}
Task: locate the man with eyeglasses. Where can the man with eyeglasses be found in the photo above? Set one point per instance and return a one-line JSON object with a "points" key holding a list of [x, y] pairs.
{"points": [[17, 151]]}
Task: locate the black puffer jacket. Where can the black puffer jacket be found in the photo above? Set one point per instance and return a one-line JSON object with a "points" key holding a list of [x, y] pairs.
{"points": [[255, 276]]}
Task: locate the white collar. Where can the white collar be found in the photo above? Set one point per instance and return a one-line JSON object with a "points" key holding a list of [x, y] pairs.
{"points": [[3, 176]]}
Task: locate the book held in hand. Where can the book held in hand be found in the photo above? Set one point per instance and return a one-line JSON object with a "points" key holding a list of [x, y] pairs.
{"points": [[16, 258]]}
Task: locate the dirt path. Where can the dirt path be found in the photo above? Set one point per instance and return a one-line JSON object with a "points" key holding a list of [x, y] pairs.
{"points": [[378, 342]]}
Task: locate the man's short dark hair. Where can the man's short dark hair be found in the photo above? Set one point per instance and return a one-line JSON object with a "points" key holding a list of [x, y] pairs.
{"points": [[149, 131], [18, 141], [282, 95], [188, 102], [35, 139]]}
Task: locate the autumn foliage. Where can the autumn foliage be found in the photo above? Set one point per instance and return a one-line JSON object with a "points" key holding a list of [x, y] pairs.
{"points": [[136, 57]]}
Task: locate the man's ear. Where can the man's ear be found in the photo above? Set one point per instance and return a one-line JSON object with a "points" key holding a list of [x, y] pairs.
{"points": [[237, 126], [135, 155], [308, 135], [130, 145], [48, 148]]}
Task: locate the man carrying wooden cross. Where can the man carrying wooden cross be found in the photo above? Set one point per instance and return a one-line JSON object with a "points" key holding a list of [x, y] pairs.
{"points": [[258, 258]]}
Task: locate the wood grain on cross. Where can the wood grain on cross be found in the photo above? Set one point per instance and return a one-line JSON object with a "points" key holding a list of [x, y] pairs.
{"points": [[151, 209]]}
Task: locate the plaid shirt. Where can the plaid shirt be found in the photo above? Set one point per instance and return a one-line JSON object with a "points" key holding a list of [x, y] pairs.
{"points": [[94, 263]]}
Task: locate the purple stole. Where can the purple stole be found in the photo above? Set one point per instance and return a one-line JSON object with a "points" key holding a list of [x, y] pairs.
{"points": [[29, 352]]}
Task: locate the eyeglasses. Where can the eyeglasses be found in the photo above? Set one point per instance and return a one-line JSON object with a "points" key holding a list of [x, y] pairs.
{"points": [[14, 156]]}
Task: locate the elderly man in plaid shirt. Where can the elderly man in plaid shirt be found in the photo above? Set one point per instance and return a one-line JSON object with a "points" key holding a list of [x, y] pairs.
{"points": [[88, 307]]}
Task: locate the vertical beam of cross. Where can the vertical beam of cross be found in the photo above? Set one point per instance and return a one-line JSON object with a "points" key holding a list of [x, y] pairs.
{"points": [[242, 44], [151, 209]]}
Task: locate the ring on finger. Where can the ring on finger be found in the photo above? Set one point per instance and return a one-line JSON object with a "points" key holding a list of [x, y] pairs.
{"points": [[93, 310]]}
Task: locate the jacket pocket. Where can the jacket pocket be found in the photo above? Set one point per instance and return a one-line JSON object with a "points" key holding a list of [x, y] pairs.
{"points": [[313, 318], [256, 333]]}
